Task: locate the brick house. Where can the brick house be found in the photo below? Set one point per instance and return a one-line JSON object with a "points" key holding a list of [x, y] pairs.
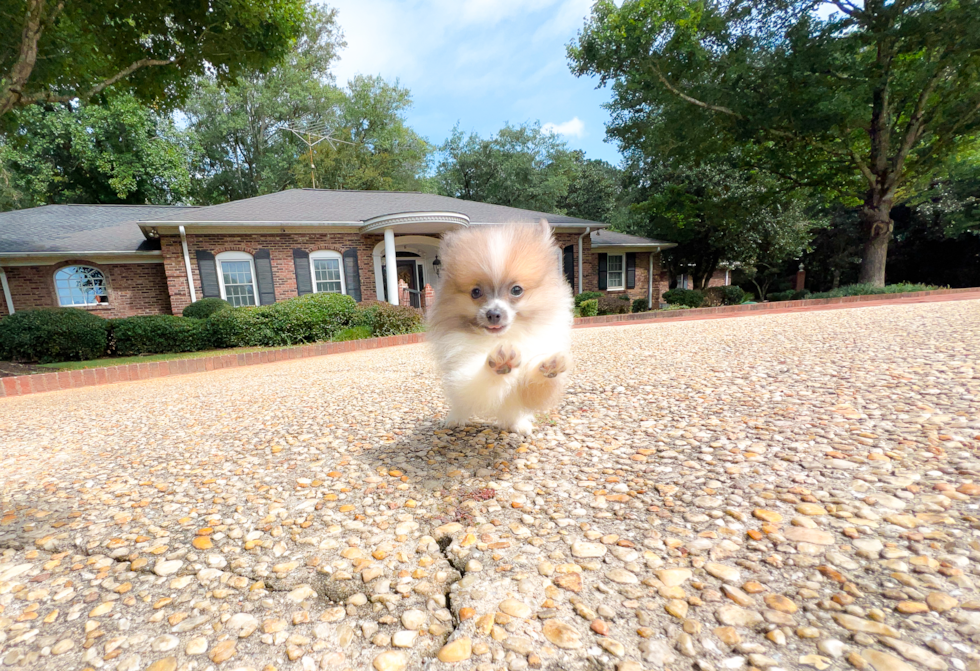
{"points": [[123, 260]]}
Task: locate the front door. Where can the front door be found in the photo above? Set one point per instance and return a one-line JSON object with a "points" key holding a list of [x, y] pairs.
{"points": [[406, 273]]}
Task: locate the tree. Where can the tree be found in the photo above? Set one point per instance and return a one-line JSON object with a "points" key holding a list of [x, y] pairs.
{"points": [[58, 51], [866, 103], [717, 212], [238, 128], [117, 152], [376, 150], [594, 191], [521, 166]]}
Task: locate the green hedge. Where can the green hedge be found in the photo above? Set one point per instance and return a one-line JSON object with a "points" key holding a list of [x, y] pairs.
{"points": [[51, 335], [396, 319], [158, 334], [589, 308], [306, 319], [868, 290], [587, 296], [640, 305], [205, 307], [691, 298]]}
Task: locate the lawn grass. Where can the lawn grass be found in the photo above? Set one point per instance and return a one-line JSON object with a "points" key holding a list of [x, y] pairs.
{"points": [[123, 360]]}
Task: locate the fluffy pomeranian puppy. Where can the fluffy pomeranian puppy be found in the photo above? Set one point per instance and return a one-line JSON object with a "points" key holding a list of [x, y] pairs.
{"points": [[501, 324]]}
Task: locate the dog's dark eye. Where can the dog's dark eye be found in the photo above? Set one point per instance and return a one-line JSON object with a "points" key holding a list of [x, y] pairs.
{"points": [[476, 293], [516, 290]]}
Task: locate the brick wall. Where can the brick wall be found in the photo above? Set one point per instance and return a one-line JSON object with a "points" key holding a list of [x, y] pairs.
{"points": [[134, 288], [590, 270], [718, 279], [280, 246]]}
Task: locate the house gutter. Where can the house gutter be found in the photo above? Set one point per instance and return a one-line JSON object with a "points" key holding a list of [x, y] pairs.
{"points": [[580, 260], [6, 292], [650, 285], [187, 263]]}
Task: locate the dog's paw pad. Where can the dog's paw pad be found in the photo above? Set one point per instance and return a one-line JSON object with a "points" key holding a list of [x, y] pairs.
{"points": [[553, 366], [504, 359]]}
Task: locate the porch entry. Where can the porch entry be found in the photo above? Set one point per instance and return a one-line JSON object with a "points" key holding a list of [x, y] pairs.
{"points": [[412, 273]]}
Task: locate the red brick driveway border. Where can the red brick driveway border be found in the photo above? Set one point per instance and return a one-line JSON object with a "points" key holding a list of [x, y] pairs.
{"points": [[22, 385]]}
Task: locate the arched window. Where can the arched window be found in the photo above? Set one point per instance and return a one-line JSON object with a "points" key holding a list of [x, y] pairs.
{"points": [[236, 278], [80, 285], [327, 269]]}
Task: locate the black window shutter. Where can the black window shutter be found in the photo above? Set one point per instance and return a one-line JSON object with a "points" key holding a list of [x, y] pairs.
{"points": [[208, 270], [602, 272], [568, 264], [304, 281], [630, 270], [263, 276], [352, 274]]}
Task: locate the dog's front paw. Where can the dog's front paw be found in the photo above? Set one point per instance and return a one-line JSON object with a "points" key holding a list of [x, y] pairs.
{"points": [[554, 365], [504, 359], [523, 427]]}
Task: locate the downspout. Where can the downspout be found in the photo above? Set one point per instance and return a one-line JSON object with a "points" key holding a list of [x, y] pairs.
{"points": [[6, 292], [650, 284], [187, 264], [580, 287]]}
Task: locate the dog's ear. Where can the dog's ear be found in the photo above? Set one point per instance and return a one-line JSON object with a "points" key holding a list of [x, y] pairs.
{"points": [[545, 228]]}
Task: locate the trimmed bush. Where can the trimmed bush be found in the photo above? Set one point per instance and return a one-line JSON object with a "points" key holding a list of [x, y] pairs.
{"points": [[238, 327], [397, 320], [732, 295], [587, 296], [353, 333], [624, 297], [640, 305], [52, 335], [868, 290], [780, 296], [205, 307], [612, 306], [158, 334], [589, 308], [691, 298], [309, 318], [366, 314]]}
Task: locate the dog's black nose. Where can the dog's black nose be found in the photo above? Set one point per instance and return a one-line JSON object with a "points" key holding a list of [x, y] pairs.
{"points": [[493, 316]]}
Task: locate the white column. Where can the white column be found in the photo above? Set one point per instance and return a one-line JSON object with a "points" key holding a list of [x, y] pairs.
{"points": [[391, 266]]}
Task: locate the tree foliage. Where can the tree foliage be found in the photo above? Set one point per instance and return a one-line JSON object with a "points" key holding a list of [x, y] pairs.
{"points": [[717, 212], [116, 152], [238, 127], [866, 103], [377, 150], [523, 166], [58, 51]]}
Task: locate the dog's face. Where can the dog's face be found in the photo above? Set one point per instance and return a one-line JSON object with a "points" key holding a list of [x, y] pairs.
{"points": [[498, 277]]}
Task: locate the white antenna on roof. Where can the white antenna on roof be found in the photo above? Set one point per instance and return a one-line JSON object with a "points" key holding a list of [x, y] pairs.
{"points": [[313, 134]]}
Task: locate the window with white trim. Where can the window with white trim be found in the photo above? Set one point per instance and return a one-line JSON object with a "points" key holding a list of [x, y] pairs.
{"points": [[615, 271], [236, 278], [80, 285], [327, 269]]}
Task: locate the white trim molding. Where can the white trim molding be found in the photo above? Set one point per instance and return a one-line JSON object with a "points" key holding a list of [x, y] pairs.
{"points": [[11, 259], [621, 271], [187, 264], [237, 256], [431, 222], [426, 247]]}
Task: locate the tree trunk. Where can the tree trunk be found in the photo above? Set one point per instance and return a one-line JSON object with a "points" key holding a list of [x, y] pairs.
{"points": [[877, 225], [836, 279]]}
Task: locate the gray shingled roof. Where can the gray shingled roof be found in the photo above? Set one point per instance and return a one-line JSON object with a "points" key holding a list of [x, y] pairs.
{"points": [[352, 207], [79, 228], [612, 238]]}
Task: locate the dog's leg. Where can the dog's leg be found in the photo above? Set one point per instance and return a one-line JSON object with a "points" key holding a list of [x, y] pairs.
{"points": [[544, 384], [514, 417]]}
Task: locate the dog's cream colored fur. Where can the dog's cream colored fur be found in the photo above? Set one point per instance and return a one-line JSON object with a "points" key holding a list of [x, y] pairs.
{"points": [[507, 376]]}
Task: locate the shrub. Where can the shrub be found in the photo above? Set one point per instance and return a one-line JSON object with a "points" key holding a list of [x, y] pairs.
{"points": [[780, 296], [309, 318], [396, 320], [205, 307], [624, 297], [366, 314], [612, 306], [238, 327], [732, 295], [53, 334], [868, 290], [589, 308], [353, 333], [691, 298], [587, 296], [159, 334], [640, 305]]}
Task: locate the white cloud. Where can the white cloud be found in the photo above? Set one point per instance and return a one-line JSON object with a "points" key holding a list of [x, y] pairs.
{"points": [[571, 128]]}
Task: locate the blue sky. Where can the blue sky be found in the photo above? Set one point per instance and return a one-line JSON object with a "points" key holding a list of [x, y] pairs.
{"points": [[479, 62]]}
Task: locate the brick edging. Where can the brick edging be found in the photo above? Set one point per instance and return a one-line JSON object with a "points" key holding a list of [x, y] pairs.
{"points": [[22, 385], [781, 306]]}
